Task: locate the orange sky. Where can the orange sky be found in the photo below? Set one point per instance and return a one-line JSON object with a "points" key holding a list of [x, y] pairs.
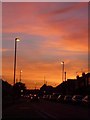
{"points": [[49, 33]]}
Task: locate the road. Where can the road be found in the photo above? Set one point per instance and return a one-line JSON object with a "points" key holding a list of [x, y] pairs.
{"points": [[45, 110]]}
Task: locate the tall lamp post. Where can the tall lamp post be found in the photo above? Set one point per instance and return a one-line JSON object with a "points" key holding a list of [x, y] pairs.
{"points": [[15, 55], [62, 63], [20, 74]]}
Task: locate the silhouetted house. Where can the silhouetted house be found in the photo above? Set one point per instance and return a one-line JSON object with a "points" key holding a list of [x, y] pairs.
{"points": [[83, 84], [84, 80], [46, 89], [19, 89], [67, 87], [62, 88], [71, 86], [6, 89], [87, 79]]}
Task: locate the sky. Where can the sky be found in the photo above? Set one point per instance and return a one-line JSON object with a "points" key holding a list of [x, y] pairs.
{"points": [[49, 33]]}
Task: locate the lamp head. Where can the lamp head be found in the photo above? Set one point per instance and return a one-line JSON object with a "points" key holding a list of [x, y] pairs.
{"points": [[17, 39], [62, 62]]}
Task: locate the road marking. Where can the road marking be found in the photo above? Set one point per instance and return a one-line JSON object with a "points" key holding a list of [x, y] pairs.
{"points": [[47, 115]]}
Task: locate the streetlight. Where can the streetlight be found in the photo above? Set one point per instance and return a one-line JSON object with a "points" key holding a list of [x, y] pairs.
{"points": [[35, 85], [20, 74], [65, 76], [16, 40], [62, 63]]}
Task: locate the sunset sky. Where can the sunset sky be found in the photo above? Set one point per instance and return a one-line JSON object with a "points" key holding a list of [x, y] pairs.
{"points": [[49, 33]]}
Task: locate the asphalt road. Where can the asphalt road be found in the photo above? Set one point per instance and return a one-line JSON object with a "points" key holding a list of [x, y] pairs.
{"points": [[45, 110]]}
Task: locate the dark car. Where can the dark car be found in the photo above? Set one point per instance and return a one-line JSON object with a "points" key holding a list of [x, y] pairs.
{"points": [[68, 99], [60, 98], [77, 99], [46, 97], [35, 98], [53, 97]]}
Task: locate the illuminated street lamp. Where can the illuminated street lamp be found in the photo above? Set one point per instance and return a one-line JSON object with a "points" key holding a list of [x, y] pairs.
{"points": [[62, 63], [15, 55], [20, 75]]}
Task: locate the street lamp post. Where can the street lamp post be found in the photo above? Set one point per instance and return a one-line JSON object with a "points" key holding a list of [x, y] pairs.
{"points": [[35, 85], [15, 55], [62, 71], [65, 76], [20, 74]]}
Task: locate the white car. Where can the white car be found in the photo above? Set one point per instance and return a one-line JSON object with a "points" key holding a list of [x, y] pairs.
{"points": [[86, 100], [77, 99]]}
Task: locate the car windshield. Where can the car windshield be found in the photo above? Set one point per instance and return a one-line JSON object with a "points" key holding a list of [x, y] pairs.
{"points": [[79, 97]]}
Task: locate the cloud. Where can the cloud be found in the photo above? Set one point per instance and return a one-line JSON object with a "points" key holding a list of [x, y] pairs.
{"points": [[4, 50], [49, 33]]}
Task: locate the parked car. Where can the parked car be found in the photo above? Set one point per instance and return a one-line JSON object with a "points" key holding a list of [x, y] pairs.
{"points": [[60, 98], [35, 98], [46, 97], [53, 97], [86, 100], [67, 99], [77, 99]]}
